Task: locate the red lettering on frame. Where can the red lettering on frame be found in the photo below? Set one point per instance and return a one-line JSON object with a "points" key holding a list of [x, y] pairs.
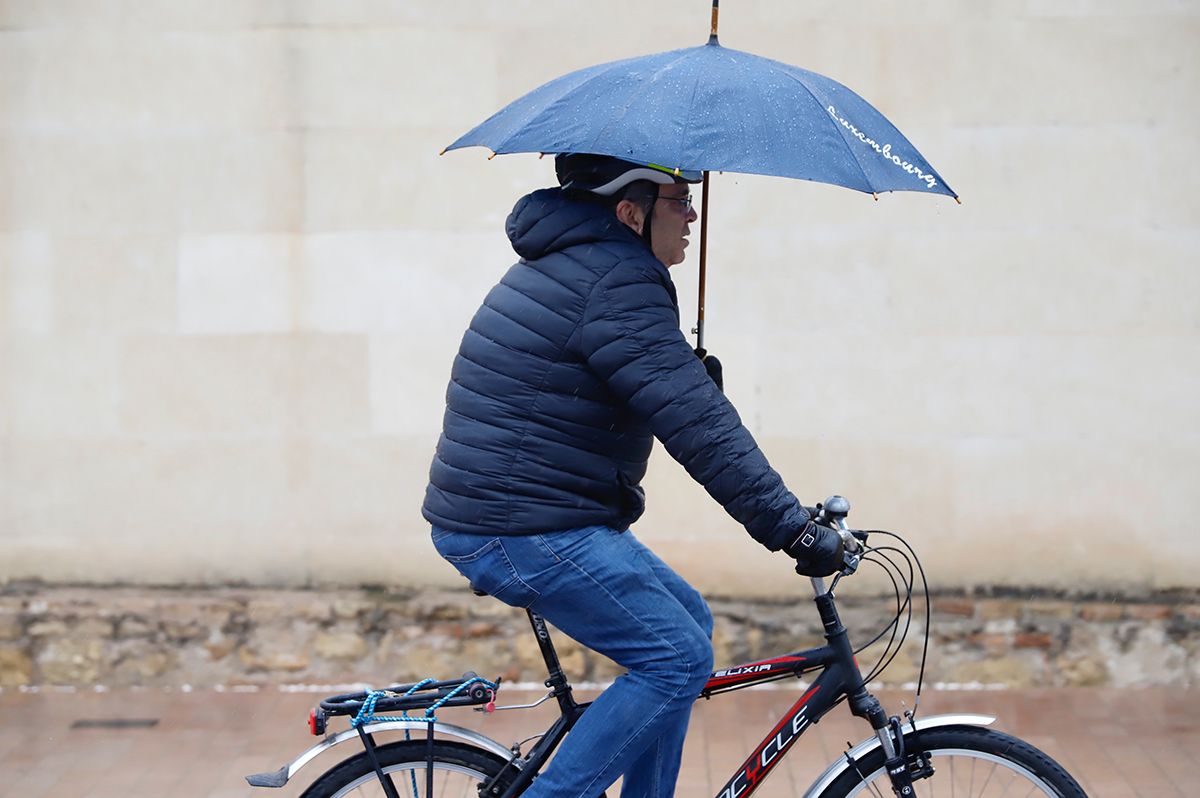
{"points": [[767, 754]]}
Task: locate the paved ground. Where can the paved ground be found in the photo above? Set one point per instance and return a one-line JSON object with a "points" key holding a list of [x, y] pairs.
{"points": [[1119, 743]]}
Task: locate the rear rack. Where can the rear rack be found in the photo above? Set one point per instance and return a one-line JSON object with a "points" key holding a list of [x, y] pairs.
{"points": [[427, 694], [417, 695]]}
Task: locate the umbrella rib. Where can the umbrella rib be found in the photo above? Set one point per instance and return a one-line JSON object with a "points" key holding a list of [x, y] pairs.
{"points": [[637, 90], [687, 123], [841, 134], [502, 145], [560, 99], [562, 95]]}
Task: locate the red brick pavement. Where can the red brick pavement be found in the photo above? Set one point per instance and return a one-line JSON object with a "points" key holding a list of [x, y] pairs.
{"points": [[1120, 744]]}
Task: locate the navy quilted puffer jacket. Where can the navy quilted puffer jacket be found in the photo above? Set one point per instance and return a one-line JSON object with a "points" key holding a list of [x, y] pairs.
{"points": [[571, 367]]}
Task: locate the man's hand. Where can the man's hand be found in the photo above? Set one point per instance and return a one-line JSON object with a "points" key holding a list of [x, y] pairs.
{"points": [[818, 550], [713, 367]]}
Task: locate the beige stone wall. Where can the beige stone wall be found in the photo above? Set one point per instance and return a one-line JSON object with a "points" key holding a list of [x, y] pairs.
{"points": [[233, 272]]}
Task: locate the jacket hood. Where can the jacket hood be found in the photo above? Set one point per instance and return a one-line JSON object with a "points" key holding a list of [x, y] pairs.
{"points": [[548, 221]]}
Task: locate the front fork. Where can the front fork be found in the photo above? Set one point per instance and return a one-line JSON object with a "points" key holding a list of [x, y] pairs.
{"points": [[902, 766]]}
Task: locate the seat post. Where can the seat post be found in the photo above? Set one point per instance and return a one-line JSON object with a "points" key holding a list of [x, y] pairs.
{"points": [[557, 680]]}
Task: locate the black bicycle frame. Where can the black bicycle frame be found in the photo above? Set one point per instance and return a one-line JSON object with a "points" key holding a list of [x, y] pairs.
{"points": [[840, 678]]}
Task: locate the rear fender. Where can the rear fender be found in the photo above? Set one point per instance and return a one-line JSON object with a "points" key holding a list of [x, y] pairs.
{"points": [[871, 743], [281, 776]]}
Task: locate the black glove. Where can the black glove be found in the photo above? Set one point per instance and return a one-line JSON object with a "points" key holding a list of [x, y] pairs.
{"points": [[713, 367], [818, 550]]}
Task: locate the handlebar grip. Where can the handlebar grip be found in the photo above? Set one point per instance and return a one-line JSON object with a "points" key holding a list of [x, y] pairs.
{"points": [[849, 539]]}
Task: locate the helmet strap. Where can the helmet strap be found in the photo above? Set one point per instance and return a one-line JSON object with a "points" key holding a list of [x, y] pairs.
{"points": [[646, 221]]}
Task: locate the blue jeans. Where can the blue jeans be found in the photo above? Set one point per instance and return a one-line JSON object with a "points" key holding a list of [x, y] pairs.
{"points": [[612, 594]]}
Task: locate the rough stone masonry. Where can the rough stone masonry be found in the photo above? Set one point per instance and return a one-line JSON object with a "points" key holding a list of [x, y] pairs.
{"points": [[228, 636]]}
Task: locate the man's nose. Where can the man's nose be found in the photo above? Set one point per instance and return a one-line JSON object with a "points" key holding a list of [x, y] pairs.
{"points": [[691, 215]]}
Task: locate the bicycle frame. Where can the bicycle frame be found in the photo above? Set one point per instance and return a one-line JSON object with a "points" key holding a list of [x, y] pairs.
{"points": [[840, 678]]}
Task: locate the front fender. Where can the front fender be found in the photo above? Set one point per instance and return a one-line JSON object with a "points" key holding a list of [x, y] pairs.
{"points": [[871, 743], [281, 776]]}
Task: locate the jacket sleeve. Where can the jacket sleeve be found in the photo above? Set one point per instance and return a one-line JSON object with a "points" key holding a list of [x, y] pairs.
{"points": [[630, 337]]}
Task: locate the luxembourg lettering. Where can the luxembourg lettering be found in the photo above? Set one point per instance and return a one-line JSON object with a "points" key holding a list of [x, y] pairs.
{"points": [[885, 150], [766, 757]]}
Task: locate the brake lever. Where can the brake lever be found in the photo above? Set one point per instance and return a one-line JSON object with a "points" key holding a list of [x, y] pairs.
{"points": [[854, 545], [850, 561], [852, 539]]}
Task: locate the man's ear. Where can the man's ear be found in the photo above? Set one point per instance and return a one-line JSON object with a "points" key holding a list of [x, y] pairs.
{"points": [[631, 215]]}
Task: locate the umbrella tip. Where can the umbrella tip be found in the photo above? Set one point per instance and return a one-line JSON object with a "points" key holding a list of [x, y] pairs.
{"points": [[677, 172], [876, 196], [956, 199], [490, 157], [443, 152]]}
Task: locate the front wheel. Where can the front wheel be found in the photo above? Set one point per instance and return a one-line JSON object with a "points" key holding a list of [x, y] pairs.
{"points": [[966, 761], [458, 770]]}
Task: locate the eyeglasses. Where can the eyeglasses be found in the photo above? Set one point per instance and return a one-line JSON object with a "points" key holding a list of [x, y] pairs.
{"points": [[685, 201]]}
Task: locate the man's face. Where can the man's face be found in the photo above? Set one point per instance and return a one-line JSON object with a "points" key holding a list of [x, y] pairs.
{"points": [[669, 223]]}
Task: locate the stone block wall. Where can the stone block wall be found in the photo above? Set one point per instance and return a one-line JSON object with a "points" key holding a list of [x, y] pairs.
{"points": [[234, 271], [120, 636]]}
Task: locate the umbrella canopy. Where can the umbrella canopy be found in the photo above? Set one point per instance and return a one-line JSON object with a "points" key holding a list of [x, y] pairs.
{"points": [[712, 108]]}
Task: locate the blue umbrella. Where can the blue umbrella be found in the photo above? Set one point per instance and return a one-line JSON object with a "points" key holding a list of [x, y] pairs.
{"points": [[712, 108]]}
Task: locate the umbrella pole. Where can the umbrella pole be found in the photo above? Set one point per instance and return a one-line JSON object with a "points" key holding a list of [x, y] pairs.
{"points": [[699, 331]]}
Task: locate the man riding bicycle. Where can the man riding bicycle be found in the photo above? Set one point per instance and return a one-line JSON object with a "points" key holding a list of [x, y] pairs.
{"points": [[572, 366]]}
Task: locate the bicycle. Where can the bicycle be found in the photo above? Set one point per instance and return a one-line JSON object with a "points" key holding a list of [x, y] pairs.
{"points": [[943, 754]]}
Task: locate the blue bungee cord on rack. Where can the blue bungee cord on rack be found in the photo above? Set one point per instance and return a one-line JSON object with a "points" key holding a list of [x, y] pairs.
{"points": [[366, 713]]}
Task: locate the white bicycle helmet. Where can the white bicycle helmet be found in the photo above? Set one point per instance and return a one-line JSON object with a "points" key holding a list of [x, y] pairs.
{"points": [[606, 176]]}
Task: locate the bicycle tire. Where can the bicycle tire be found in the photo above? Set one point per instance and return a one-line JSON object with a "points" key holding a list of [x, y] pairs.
{"points": [[458, 771], [967, 760]]}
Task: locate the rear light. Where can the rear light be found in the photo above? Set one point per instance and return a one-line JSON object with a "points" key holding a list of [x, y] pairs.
{"points": [[316, 721]]}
